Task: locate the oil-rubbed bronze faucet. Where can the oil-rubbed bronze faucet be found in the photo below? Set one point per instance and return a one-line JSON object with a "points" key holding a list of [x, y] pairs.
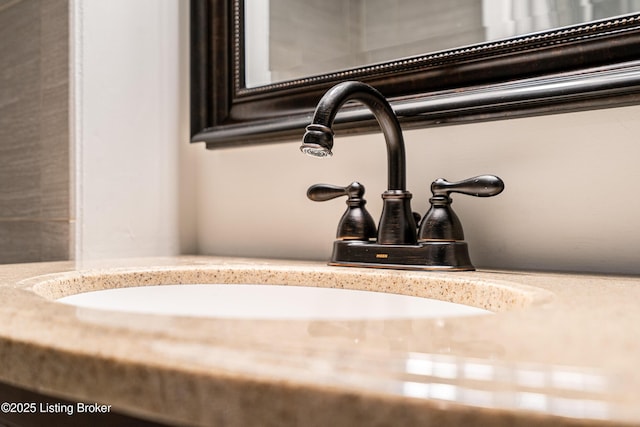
{"points": [[397, 243]]}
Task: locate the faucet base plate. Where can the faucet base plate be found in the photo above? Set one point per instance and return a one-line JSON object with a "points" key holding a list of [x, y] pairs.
{"points": [[430, 255]]}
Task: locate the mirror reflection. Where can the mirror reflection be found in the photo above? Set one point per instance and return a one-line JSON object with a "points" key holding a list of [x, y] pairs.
{"points": [[292, 39]]}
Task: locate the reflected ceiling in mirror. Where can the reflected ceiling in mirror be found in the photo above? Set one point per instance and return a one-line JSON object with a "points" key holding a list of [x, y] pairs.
{"points": [[292, 39]]}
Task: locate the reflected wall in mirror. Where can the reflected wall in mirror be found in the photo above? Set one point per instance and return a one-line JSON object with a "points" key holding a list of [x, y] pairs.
{"points": [[294, 39], [305, 38], [259, 67]]}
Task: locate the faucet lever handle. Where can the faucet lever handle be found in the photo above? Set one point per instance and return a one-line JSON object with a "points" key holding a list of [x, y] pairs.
{"points": [[441, 222], [356, 223], [478, 186], [324, 192]]}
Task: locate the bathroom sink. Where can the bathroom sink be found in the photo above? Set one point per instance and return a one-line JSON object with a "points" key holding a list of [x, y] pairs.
{"points": [[256, 301]]}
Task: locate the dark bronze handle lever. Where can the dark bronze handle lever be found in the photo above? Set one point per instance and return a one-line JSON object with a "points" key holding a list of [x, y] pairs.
{"points": [[440, 222], [356, 223], [479, 186], [324, 192]]}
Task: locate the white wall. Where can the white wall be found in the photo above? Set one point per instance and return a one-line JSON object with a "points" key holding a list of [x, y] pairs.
{"points": [[569, 202], [130, 98]]}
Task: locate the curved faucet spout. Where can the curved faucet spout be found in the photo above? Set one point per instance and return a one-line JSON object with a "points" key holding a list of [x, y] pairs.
{"points": [[397, 225], [318, 140]]}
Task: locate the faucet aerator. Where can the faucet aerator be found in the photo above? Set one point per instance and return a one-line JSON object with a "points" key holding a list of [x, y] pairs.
{"points": [[315, 151]]}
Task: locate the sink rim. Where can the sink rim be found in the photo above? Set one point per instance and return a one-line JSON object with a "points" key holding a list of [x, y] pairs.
{"points": [[461, 288]]}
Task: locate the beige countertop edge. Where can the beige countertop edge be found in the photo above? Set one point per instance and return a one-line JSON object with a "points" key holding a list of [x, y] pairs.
{"points": [[562, 348]]}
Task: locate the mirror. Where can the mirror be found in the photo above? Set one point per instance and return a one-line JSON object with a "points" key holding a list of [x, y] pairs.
{"points": [[293, 39], [260, 66]]}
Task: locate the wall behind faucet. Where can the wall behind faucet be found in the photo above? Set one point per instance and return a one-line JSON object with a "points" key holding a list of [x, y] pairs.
{"points": [[569, 202]]}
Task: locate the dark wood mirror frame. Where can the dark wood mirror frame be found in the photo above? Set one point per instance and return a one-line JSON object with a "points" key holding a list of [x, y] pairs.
{"points": [[593, 65]]}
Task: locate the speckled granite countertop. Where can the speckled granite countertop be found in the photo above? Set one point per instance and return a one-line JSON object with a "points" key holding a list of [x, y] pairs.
{"points": [[561, 349]]}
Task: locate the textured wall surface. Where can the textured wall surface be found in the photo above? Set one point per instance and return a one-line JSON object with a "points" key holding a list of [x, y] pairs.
{"points": [[36, 219]]}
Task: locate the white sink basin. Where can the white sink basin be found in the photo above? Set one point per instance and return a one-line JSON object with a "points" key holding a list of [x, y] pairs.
{"points": [[250, 301]]}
